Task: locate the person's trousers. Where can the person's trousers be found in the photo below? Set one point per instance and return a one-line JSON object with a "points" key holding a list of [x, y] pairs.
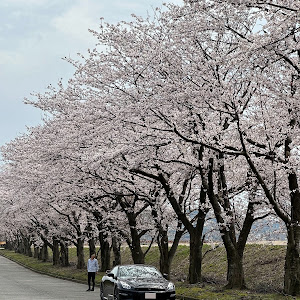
{"points": [[91, 275]]}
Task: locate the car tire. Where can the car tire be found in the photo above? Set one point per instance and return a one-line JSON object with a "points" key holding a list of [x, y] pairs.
{"points": [[101, 292], [116, 293]]}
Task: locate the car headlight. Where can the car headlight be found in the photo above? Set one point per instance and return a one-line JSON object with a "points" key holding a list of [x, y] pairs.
{"points": [[125, 285], [171, 286]]}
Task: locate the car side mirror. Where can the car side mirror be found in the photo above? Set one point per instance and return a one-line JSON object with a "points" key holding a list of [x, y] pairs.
{"points": [[110, 275], [166, 276]]}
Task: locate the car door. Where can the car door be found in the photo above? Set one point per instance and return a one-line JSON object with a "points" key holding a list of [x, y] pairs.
{"points": [[110, 282]]}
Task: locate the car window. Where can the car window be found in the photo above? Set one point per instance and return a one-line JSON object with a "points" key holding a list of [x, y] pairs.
{"points": [[114, 271], [139, 271]]}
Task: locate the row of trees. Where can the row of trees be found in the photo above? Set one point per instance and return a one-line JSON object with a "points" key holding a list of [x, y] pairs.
{"points": [[183, 121]]}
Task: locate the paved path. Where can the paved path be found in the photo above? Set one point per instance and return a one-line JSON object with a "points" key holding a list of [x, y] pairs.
{"points": [[19, 283]]}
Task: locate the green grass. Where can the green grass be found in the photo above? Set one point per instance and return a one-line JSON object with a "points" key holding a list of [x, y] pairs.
{"points": [[213, 292], [264, 267]]}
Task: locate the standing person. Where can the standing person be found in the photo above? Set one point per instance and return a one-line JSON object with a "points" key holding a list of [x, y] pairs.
{"points": [[92, 268]]}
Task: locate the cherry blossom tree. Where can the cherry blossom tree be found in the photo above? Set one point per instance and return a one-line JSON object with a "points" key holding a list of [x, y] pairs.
{"points": [[186, 109], [260, 105]]}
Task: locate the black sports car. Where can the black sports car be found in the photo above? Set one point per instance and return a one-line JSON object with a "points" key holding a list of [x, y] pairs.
{"points": [[136, 282]]}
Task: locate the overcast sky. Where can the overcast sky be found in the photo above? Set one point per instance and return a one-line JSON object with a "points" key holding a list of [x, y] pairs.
{"points": [[35, 35]]}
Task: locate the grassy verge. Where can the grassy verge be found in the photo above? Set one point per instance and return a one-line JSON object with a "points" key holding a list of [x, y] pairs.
{"points": [[263, 269]]}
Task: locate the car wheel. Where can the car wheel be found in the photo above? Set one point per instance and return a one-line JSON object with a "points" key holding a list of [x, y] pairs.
{"points": [[116, 294], [101, 292]]}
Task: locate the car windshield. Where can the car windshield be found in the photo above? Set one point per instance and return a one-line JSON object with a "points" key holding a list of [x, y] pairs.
{"points": [[139, 271]]}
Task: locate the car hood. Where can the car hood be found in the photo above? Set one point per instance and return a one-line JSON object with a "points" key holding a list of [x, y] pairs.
{"points": [[139, 282]]}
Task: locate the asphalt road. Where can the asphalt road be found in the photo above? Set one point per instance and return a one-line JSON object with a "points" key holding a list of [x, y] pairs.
{"points": [[17, 282]]}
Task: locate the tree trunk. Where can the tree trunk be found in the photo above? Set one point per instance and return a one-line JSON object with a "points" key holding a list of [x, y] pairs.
{"points": [[195, 257], [9, 245], [165, 269], [20, 246], [27, 246], [292, 262], [29, 251], [55, 251], [44, 253], [234, 249], [80, 253], [92, 246], [40, 253], [163, 245], [137, 252], [36, 252], [134, 242], [105, 252], [166, 255], [116, 246], [235, 270], [64, 254]]}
